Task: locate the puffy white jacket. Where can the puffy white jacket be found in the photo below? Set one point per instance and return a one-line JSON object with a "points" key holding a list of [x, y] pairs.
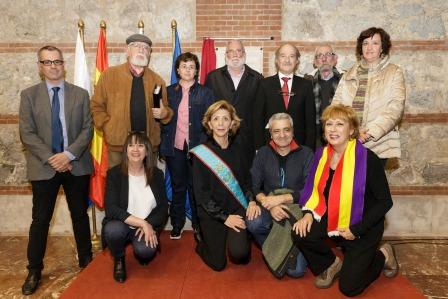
{"points": [[383, 108]]}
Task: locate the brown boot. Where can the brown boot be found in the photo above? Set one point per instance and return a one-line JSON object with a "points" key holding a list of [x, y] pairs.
{"points": [[326, 278]]}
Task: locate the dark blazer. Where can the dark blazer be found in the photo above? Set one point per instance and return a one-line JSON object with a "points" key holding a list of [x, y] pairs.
{"points": [[35, 129], [200, 98], [243, 98], [301, 108], [116, 198]]}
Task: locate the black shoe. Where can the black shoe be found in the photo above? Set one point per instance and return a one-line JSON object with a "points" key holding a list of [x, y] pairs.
{"points": [[119, 269], [176, 234], [83, 262], [31, 283]]}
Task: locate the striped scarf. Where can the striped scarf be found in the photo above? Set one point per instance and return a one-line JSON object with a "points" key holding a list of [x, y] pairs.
{"points": [[346, 196], [359, 100]]}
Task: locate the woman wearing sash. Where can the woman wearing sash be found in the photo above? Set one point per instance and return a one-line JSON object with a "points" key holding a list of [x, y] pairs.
{"points": [[221, 183], [135, 204], [346, 197]]}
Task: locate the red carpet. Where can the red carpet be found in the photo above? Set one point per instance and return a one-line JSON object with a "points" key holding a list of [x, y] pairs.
{"points": [[178, 272]]}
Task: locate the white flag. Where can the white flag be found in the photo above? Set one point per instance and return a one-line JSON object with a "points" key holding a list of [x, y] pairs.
{"points": [[82, 77]]}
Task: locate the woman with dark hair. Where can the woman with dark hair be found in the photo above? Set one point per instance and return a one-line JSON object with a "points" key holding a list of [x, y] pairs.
{"points": [[135, 204], [375, 88], [222, 190], [189, 101], [346, 197]]}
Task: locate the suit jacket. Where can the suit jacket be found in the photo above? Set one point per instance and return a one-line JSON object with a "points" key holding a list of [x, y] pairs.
{"points": [[35, 129], [301, 108], [243, 98], [117, 198]]}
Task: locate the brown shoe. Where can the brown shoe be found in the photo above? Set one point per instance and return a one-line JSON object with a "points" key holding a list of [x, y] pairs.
{"points": [[326, 278], [391, 266]]}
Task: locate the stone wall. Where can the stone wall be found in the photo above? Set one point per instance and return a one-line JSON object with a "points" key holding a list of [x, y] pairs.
{"points": [[417, 28]]}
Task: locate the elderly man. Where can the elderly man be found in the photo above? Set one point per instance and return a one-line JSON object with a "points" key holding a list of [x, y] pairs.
{"points": [[130, 97], [288, 93], [280, 165], [237, 83], [56, 128], [325, 79]]}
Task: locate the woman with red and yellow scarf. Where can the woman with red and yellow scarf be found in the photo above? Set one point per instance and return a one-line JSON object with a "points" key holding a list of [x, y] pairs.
{"points": [[346, 197]]}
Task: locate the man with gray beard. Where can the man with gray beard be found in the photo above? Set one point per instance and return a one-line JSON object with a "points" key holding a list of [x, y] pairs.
{"points": [[237, 83], [325, 79], [130, 97]]}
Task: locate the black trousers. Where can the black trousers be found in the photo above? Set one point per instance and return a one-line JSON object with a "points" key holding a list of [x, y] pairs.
{"points": [[45, 192], [363, 261], [181, 181], [218, 238], [118, 234]]}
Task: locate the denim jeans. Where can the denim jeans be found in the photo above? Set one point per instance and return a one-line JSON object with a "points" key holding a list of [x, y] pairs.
{"points": [[260, 228], [118, 234]]}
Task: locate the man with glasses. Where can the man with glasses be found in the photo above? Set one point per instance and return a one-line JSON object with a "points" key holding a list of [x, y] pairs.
{"points": [[285, 92], [130, 97], [325, 79], [56, 128], [237, 83]]}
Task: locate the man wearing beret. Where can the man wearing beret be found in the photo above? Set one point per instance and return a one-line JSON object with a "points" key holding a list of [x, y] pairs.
{"points": [[130, 97]]}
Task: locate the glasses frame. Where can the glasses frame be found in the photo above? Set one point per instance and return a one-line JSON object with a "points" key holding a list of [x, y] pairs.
{"points": [[56, 62], [327, 55]]}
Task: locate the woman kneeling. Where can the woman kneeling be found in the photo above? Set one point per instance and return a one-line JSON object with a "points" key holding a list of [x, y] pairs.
{"points": [[346, 197], [135, 204], [221, 183]]}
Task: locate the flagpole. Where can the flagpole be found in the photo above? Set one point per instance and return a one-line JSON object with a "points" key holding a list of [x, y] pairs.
{"points": [[94, 238], [141, 27], [173, 33]]}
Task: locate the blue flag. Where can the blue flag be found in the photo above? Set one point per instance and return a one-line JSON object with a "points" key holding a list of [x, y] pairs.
{"points": [[176, 52]]}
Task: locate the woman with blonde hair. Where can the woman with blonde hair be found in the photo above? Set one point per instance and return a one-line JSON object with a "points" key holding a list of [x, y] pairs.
{"points": [[346, 197], [221, 183]]}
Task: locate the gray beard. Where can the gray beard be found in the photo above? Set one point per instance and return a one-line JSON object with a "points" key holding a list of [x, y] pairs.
{"points": [[137, 61]]}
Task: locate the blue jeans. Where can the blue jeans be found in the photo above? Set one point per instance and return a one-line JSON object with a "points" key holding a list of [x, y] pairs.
{"points": [[118, 234], [260, 228]]}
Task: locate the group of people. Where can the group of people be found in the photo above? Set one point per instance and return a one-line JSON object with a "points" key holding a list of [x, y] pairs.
{"points": [[248, 152]]}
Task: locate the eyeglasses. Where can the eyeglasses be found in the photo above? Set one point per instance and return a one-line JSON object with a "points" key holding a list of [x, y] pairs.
{"points": [[327, 55], [56, 62], [237, 51], [140, 46]]}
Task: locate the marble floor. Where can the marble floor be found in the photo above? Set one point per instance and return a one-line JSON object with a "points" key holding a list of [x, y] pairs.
{"points": [[423, 262]]}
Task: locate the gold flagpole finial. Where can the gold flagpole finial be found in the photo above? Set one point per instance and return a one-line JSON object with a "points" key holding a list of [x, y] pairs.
{"points": [[81, 24], [103, 24], [173, 24], [81, 30], [141, 27]]}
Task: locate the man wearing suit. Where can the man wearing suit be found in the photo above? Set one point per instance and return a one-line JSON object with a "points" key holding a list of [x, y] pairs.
{"points": [[237, 83], [55, 127], [288, 93]]}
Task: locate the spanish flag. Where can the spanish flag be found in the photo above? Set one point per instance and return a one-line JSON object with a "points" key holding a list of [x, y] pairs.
{"points": [[98, 146]]}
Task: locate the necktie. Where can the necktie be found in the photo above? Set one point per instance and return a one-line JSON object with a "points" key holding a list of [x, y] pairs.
{"points": [[57, 141], [285, 91]]}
